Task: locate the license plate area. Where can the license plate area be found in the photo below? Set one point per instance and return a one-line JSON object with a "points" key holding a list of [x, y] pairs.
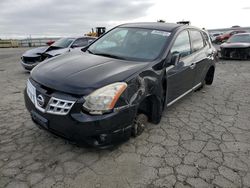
{"points": [[43, 122]]}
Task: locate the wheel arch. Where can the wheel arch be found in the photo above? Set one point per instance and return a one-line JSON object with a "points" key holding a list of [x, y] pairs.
{"points": [[152, 107], [210, 75]]}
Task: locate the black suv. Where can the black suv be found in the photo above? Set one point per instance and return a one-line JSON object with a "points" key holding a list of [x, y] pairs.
{"points": [[104, 93]]}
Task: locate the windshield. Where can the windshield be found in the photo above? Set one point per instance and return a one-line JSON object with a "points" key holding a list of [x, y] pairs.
{"points": [[239, 38], [131, 44], [63, 42]]}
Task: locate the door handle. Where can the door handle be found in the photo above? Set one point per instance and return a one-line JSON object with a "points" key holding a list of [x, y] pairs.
{"points": [[192, 66]]}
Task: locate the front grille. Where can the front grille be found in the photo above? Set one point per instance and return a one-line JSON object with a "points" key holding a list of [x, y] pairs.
{"points": [[59, 106], [55, 105], [235, 53], [31, 91], [29, 60]]}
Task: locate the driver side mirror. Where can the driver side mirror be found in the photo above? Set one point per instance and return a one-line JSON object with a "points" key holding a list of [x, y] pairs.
{"points": [[84, 49], [74, 46], [175, 58]]}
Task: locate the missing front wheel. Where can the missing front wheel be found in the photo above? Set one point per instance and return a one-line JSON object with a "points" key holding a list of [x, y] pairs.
{"points": [[139, 124]]}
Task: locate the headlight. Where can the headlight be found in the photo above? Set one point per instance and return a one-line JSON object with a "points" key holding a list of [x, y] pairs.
{"points": [[104, 99]]}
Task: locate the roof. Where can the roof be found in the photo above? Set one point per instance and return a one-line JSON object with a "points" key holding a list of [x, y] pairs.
{"points": [[74, 38], [154, 25], [242, 34]]}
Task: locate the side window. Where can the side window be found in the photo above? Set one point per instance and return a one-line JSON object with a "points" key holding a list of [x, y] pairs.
{"points": [[182, 44], [80, 42], [206, 38], [90, 40], [197, 40]]}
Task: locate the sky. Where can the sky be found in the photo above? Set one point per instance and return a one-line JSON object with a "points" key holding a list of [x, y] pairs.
{"points": [[35, 18]]}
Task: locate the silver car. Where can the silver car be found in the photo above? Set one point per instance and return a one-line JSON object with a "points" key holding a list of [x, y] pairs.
{"points": [[34, 56]]}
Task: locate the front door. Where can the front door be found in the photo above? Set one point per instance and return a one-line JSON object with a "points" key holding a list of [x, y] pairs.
{"points": [[180, 77], [201, 54]]}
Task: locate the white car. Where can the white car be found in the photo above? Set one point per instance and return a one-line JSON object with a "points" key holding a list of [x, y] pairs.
{"points": [[214, 35], [34, 56]]}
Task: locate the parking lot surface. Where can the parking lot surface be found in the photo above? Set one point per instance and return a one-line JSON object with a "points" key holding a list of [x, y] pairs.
{"points": [[202, 140]]}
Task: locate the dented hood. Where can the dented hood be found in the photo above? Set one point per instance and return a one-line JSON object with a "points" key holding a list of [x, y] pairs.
{"points": [[50, 50], [80, 73], [35, 52], [57, 51]]}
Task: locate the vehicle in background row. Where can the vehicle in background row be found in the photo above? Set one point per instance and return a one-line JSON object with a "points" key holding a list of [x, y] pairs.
{"points": [[227, 35], [106, 92], [236, 47], [50, 42], [97, 33], [34, 56], [213, 36]]}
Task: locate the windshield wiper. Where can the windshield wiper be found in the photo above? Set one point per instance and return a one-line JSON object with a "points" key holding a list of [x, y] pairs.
{"points": [[90, 51], [56, 47], [110, 55]]}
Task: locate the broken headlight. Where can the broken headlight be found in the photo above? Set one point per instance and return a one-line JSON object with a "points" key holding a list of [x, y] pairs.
{"points": [[104, 99]]}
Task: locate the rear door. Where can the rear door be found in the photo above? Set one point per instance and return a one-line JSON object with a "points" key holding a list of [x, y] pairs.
{"points": [[202, 53], [180, 78]]}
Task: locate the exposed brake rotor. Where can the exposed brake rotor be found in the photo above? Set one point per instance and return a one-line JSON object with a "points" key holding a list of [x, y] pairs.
{"points": [[139, 124]]}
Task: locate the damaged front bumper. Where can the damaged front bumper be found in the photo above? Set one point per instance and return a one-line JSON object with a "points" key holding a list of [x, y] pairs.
{"points": [[80, 127], [235, 53], [29, 63], [29, 66]]}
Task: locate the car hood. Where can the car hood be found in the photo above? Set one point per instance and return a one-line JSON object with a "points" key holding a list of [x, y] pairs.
{"points": [[235, 45], [57, 51], [35, 52], [80, 73], [50, 50]]}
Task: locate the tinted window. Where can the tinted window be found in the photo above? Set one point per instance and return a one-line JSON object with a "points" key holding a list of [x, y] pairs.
{"points": [[239, 38], [197, 40], [131, 43], [240, 32], [63, 42], [182, 44], [81, 42]]}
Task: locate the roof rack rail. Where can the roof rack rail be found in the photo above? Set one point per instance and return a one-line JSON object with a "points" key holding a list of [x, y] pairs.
{"points": [[184, 22]]}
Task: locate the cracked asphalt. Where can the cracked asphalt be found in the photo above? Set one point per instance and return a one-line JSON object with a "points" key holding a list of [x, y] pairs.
{"points": [[202, 140]]}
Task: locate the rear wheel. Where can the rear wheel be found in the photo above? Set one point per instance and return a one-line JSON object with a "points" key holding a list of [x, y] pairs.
{"points": [[208, 80]]}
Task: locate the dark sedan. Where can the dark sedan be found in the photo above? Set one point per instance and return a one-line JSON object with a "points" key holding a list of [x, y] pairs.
{"points": [[34, 56], [106, 93], [237, 47]]}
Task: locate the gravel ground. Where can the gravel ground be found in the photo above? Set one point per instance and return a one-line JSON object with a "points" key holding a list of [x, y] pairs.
{"points": [[202, 141]]}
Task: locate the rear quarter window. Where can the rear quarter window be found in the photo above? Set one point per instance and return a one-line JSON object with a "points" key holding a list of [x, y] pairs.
{"points": [[206, 38]]}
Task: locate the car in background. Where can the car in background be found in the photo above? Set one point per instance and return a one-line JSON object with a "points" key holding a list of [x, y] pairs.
{"points": [[213, 36], [34, 56], [50, 42], [105, 93], [227, 35], [236, 47]]}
